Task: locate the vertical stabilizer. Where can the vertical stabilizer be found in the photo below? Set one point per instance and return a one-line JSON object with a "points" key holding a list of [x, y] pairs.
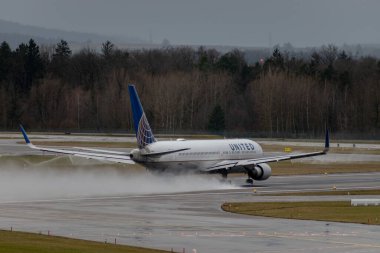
{"points": [[144, 133]]}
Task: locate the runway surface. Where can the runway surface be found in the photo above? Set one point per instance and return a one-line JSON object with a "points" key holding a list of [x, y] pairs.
{"points": [[174, 217], [194, 220]]}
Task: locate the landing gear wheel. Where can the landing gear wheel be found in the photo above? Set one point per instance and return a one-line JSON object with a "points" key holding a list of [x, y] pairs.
{"points": [[249, 181], [224, 174]]}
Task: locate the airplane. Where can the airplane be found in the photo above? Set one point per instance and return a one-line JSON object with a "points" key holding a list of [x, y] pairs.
{"points": [[223, 156]]}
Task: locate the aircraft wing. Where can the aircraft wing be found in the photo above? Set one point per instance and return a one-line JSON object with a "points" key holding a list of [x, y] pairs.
{"points": [[247, 162], [236, 163], [105, 156], [278, 158]]}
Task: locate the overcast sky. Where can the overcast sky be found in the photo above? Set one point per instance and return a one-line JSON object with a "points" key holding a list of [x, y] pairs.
{"points": [[216, 22]]}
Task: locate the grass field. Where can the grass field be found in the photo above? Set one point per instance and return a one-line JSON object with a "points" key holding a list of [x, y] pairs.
{"points": [[300, 140], [20, 242], [338, 211], [329, 193], [287, 168], [334, 150]]}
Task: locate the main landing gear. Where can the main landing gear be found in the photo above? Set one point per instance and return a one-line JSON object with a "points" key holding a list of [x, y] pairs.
{"points": [[224, 174], [249, 181], [251, 175]]}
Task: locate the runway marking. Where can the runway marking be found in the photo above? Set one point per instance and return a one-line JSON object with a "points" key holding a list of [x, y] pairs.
{"points": [[321, 189], [309, 249], [367, 245], [296, 236], [183, 194], [330, 175], [126, 197]]}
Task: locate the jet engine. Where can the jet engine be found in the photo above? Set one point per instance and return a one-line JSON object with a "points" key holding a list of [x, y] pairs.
{"points": [[136, 155], [260, 172]]}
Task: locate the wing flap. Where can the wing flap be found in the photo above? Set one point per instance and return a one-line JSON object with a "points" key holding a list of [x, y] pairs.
{"points": [[103, 151], [88, 155], [107, 159]]}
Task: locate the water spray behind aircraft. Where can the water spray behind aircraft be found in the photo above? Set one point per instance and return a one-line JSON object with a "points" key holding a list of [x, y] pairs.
{"points": [[31, 184]]}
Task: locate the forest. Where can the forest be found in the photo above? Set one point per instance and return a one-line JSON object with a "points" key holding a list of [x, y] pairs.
{"points": [[187, 90]]}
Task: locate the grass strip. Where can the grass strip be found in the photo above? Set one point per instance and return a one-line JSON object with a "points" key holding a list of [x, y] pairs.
{"points": [[329, 193], [288, 168], [20, 242], [333, 150], [336, 211]]}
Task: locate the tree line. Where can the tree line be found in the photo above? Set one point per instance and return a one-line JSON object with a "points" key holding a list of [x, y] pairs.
{"points": [[186, 89]]}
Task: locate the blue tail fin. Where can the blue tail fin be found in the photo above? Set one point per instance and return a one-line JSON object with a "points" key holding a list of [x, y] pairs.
{"points": [[144, 133], [24, 134]]}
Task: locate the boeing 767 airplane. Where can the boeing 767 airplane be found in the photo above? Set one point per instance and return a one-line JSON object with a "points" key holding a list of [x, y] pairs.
{"points": [[203, 156]]}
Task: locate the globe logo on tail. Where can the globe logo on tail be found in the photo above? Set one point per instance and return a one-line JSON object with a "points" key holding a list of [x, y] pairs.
{"points": [[144, 134]]}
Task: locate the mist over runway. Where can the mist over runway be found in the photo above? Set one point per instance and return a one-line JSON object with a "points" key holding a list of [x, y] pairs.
{"points": [[31, 183], [102, 203]]}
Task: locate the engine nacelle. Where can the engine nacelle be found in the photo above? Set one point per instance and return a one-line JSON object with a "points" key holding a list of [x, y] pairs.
{"points": [[261, 172], [136, 155]]}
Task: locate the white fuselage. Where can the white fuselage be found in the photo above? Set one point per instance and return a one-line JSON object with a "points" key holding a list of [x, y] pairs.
{"points": [[199, 154]]}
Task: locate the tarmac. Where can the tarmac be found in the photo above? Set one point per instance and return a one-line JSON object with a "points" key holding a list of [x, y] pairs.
{"points": [[192, 219]]}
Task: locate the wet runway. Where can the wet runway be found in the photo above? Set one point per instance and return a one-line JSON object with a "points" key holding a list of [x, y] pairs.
{"points": [[192, 219]]}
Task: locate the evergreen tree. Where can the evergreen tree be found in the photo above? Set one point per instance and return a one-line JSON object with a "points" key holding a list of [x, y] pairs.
{"points": [[34, 66], [233, 62], [216, 120], [18, 75], [62, 50], [5, 56], [277, 60], [107, 48], [60, 62]]}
